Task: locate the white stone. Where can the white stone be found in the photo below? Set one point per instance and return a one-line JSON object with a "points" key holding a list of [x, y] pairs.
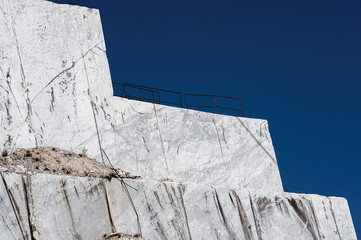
{"points": [[177, 211], [9, 222], [55, 90], [289, 216], [64, 207], [343, 218]]}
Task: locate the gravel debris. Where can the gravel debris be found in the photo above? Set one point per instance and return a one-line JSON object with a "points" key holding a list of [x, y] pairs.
{"points": [[55, 161]]}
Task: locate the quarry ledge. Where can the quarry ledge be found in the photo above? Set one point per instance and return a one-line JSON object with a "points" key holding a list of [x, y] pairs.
{"points": [[50, 206]]}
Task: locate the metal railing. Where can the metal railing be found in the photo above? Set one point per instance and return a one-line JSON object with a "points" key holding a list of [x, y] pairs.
{"points": [[216, 104], [75, 2], [149, 94], [161, 96]]}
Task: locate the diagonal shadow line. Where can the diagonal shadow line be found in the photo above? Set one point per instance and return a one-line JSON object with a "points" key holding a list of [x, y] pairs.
{"points": [[263, 148]]}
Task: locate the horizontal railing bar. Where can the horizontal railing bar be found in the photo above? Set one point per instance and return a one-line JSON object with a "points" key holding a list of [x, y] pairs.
{"points": [[149, 100], [215, 107], [124, 86], [205, 95], [143, 87], [147, 90], [144, 98]]}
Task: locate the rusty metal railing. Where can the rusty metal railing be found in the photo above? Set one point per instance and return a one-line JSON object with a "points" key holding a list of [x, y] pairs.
{"points": [[161, 96], [149, 94], [213, 98]]}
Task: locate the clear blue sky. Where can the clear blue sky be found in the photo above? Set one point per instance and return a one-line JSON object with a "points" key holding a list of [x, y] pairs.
{"points": [[295, 63]]}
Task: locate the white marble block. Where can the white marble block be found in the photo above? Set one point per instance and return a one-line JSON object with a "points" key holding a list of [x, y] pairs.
{"points": [[65, 207], [205, 176], [56, 90]]}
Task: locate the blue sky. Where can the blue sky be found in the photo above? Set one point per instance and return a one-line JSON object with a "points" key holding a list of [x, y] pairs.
{"points": [[295, 63]]}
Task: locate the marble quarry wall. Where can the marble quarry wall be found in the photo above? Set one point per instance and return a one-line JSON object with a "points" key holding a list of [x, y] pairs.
{"points": [[56, 90], [63, 207]]}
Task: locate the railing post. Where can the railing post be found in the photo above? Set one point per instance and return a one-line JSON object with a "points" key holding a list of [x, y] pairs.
{"points": [[158, 97], [125, 92], [140, 93], [215, 99], [242, 107], [185, 100]]}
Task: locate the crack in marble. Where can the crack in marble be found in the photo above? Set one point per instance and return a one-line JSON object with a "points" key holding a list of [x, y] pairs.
{"points": [[2, 10], [64, 71], [88, 83], [220, 147], [7, 92], [301, 212], [246, 226], [12, 204], [145, 144], [17, 213], [224, 136], [315, 218], [24, 84], [222, 215], [125, 189], [7, 224], [9, 117], [334, 218], [181, 189], [108, 207], [101, 49], [8, 81], [26, 195], [52, 80], [147, 113], [161, 139], [66, 198], [255, 219], [89, 92], [52, 100]]}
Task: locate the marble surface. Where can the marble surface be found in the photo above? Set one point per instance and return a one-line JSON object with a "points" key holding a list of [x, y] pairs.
{"points": [[64, 207], [56, 90]]}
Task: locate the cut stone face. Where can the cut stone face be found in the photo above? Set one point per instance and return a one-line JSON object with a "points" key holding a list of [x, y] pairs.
{"points": [[56, 91], [64, 207]]}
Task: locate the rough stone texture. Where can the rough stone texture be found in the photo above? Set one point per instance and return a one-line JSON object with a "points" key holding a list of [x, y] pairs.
{"points": [[55, 90], [191, 146], [61, 207], [9, 223]]}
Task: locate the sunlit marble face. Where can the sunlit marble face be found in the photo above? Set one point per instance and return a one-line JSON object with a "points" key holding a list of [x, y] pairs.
{"points": [[57, 91]]}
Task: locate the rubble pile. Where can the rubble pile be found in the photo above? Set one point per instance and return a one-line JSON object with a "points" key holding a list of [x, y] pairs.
{"points": [[55, 161]]}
